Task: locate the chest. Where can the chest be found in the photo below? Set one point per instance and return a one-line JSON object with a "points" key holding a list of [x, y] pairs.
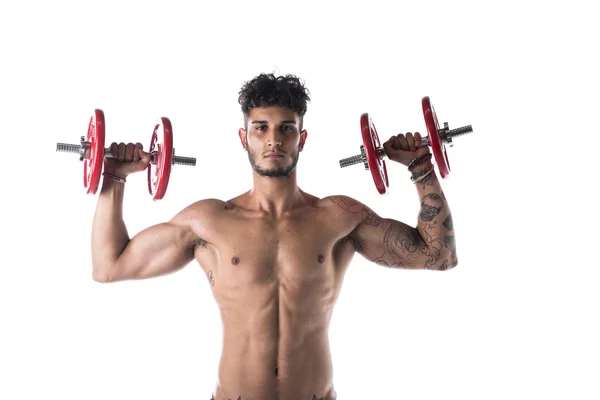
{"points": [[289, 242], [295, 250]]}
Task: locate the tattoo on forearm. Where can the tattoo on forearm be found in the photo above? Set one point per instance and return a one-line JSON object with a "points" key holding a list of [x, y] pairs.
{"points": [[431, 205], [428, 180], [448, 223], [445, 265], [450, 243], [432, 249], [428, 225]]}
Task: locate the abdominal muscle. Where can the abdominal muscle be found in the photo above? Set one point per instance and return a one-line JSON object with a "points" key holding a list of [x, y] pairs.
{"points": [[274, 351], [276, 285], [264, 367]]}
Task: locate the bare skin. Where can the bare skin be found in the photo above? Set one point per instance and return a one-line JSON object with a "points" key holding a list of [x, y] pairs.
{"points": [[274, 257]]}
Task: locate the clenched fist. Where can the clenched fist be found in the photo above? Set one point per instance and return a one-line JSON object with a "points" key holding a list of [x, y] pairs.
{"points": [[404, 148], [128, 158]]}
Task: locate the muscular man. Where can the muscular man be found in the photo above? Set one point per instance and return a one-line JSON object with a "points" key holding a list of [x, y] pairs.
{"points": [[275, 257]]}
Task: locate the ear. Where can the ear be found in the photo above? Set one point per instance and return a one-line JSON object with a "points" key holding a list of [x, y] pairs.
{"points": [[242, 135], [303, 136]]}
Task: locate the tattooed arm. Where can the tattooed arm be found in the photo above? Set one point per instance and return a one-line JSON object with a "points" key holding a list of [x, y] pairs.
{"points": [[435, 220], [395, 244]]}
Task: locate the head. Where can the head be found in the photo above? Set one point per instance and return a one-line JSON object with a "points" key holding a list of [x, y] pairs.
{"points": [[273, 109]]}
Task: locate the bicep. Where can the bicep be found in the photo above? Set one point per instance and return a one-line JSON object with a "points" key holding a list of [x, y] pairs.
{"points": [[385, 241], [158, 250], [389, 243]]}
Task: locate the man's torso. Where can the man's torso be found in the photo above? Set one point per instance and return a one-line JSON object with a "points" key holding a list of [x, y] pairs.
{"points": [[276, 282]]}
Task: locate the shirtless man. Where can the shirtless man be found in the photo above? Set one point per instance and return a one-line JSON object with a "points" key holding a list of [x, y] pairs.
{"points": [[275, 256]]}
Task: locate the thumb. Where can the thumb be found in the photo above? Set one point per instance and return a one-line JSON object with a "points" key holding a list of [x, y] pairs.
{"points": [[144, 159], [389, 149]]}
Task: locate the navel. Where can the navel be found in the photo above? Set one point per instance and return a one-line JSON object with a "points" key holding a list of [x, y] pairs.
{"points": [[235, 261], [321, 259]]}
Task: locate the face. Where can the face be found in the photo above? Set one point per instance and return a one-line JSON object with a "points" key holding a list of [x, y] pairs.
{"points": [[273, 140]]}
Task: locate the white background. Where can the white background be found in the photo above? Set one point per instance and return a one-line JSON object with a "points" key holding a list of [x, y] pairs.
{"points": [[518, 318]]}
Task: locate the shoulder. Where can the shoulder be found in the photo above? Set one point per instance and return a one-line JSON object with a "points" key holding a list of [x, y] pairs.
{"points": [[201, 215], [201, 208], [345, 204], [349, 209], [199, 221]]}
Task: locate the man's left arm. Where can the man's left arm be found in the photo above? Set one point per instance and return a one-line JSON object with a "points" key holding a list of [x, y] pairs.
{"points": [[394, 244]]}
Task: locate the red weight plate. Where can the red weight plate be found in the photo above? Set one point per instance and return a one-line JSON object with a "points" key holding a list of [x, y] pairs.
{"points": [[433, 129], [162, 144], [372, 145], [92, 167]]}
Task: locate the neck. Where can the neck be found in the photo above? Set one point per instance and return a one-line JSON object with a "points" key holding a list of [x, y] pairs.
{"points": [[275, 196]]}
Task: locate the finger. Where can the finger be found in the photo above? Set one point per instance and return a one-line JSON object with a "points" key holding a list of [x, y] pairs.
{"points": [[402, 141], [410, 140], [387, 143], [121, 152], [145, 158], [388, 148], [129, 151], [394, 152], [137, 151], [418, 139], [114, 149]]}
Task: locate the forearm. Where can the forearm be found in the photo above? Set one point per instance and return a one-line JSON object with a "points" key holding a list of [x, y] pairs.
{"points": [[109, 233], [434, 219]]}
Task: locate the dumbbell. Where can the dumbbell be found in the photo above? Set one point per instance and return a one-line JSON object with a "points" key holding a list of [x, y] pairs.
{"points": [[372, 154], [162, 155]]}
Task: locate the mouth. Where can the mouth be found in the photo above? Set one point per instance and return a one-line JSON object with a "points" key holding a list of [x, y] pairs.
{"points": [[277, 155]]}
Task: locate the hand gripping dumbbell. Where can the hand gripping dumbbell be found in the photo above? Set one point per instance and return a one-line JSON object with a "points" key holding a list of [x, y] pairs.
{"points": [[162, 155], [372, 153]]}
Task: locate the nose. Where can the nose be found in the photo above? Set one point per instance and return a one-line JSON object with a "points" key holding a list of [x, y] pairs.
{"points": [[274, 138]]}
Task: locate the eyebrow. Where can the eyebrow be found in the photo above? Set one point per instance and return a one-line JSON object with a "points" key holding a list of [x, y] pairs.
{"points": [[264, 122]]}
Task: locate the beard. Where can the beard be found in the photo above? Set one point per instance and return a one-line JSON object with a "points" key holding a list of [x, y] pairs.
{"points": [[273, 172]]}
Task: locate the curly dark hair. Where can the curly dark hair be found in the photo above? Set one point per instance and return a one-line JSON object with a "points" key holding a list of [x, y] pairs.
{"points": [[268, 90]]}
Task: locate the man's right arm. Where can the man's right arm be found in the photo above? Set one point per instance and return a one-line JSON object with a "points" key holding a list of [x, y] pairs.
{"points": [[158, 250]]}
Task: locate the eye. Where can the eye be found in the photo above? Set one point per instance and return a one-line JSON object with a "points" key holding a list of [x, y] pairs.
{"points": [[286, 128], [261, 127]]}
